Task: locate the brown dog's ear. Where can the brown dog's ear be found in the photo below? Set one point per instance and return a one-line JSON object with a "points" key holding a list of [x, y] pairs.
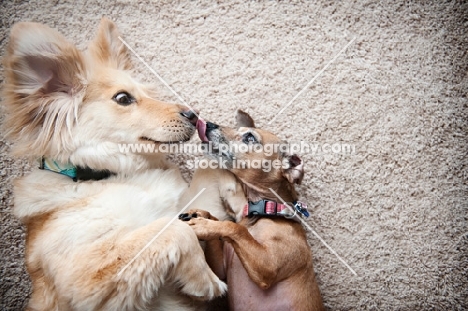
{"points": [[293, 169], [243, 119], [108, 49]]}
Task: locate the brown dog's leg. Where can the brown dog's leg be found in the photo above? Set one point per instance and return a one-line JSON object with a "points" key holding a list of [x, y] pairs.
{"points": [[214, 255], [214, 248], [282, 253]]}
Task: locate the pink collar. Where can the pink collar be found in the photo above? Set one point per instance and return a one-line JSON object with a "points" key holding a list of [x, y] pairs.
{"points": [[273, 208]]}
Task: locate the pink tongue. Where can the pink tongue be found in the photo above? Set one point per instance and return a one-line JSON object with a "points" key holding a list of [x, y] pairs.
{"points": [[201, 128]]}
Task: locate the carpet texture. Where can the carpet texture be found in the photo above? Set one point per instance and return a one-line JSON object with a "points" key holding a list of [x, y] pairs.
{"points": [[395, 208]]}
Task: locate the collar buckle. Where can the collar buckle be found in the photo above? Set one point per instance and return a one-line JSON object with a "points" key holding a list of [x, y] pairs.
{"points": [[255, 208]]}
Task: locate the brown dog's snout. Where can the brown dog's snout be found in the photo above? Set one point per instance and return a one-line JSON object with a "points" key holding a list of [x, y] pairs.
{"points": [[191, 115]]}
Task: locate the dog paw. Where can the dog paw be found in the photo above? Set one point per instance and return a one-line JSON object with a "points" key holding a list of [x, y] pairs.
{"points": [[199, 281], [208, 291], [205, 229], [195, 213]]}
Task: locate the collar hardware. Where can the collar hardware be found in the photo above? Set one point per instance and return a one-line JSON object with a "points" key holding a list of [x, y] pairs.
{"points": [[54, 166], [301, 208]]}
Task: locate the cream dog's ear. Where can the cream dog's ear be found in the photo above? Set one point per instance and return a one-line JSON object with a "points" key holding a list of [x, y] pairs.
{"points": [[43, 74], [108, 49], [40, 60], [293, 168], [243, 119]]}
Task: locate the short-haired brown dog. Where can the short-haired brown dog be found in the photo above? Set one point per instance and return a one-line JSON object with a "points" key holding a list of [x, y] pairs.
{"points": [[266, 260]]}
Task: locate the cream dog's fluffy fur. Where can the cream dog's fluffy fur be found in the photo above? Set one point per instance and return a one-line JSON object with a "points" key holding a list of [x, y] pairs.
{"points": [[76, 107]]}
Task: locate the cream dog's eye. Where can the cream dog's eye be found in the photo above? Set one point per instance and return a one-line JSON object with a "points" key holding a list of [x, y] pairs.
{"points": [[249, 138], [123, 98]]}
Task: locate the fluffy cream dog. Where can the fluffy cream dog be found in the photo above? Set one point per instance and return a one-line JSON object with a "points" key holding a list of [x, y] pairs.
{"points": [[73, 109]]}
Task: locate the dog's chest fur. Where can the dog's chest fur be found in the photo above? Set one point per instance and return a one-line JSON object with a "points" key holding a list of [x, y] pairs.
{"points": [[117, 203]]}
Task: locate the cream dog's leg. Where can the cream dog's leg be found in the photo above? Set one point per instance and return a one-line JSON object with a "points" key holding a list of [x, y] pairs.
{"points": [[174, 257]]}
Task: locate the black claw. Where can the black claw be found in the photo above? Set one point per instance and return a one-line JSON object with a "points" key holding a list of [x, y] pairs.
{"points": [[187, 217], [182, 216]]}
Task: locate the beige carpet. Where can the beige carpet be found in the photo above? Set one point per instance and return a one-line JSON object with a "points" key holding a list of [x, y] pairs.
{"points": [[396, 209]]}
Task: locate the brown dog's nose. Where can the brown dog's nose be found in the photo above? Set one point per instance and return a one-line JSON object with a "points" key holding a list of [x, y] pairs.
{"points": [[191, 115], [211, 126]]}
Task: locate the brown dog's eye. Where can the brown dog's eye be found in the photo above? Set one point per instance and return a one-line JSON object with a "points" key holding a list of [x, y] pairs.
{"points": [[123, 98], [249, 138]]}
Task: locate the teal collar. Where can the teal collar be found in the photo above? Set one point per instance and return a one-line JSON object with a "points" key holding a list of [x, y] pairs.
{"points": [[74, 172]]}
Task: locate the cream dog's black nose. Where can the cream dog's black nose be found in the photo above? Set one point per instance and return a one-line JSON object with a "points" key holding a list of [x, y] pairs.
{"points": [[191, 115]]}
